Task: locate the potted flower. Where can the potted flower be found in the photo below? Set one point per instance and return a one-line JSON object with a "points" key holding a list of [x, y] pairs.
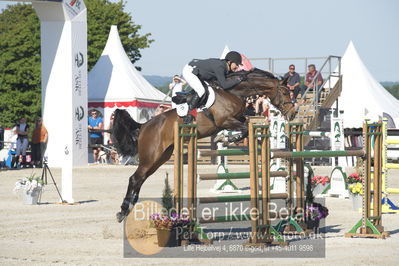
{"points": [[319, 184], [353, 178], [170, 225], [169, 228], [356, 194], [355, 187], [314, 213], [30, 188]]}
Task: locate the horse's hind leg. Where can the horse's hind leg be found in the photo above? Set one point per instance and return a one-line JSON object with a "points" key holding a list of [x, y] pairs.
{"points": [[132, 194], [136, 181]]}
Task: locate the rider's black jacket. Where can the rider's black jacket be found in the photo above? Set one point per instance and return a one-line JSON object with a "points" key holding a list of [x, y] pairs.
{"points": [[213, 68]]}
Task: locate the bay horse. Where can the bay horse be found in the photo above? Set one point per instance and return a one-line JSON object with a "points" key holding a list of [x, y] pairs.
{"points": [[153, 141]]}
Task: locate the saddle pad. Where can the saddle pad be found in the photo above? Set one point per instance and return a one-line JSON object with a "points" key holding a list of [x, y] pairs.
{"points": [[182, 109], [210, 101]]}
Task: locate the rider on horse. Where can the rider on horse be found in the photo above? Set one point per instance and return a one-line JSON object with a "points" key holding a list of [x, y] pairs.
{"points": [[198, 71]]}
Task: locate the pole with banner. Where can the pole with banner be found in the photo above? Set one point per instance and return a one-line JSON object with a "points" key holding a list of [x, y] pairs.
{"points": [[64, 85]]}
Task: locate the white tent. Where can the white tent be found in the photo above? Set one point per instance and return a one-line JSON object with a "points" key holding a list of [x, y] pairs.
{"points": [[362, 96], [226, 50], [115, 83]]}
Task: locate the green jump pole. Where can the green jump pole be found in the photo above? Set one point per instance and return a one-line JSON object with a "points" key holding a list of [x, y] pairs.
{"points": [[228, 152], [316, 154], [238, 175], [237, 218], [235, 198]]}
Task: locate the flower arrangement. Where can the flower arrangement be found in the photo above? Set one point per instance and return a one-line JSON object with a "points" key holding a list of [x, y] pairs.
{"points": [[320, 180], [353, 178], [168, 222], [316, 211], [167, 218], [29, 185], [356, 188]]}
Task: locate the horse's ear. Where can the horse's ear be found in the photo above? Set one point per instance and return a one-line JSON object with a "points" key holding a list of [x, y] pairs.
{"points": [[284, 81]]}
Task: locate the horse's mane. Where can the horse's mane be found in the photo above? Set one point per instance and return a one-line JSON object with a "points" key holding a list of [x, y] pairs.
{"points": [[253, 72], [256, 72]]}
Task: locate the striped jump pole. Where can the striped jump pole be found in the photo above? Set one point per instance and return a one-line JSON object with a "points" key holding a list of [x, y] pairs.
{"points": [[182, 134], [316, 133], [387, 205], [295, 141], [262, 232], [370, 225]]}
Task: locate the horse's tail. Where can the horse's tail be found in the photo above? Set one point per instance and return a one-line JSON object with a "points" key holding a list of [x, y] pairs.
{"points": [[125, 132]]}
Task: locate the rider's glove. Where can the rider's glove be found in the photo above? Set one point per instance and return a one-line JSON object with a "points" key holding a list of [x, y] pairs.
{"points": [[242, 78]]}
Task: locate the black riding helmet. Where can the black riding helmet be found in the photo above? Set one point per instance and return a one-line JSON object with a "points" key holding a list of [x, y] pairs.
{"points": [[234, 57]]}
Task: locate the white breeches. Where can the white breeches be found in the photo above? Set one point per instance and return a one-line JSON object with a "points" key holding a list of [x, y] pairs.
{"points": [[22, 145], [193, 80]]}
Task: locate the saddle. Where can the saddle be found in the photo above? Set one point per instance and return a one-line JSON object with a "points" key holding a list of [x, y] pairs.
{"points": [[185, 97]]}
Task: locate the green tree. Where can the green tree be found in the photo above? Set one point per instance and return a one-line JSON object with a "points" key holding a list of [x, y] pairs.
{"points": [[393, 89], [20, 76], [167, 195]]}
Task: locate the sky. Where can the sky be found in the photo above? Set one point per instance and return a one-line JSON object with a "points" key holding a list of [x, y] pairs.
{"points": [[184, 29]]}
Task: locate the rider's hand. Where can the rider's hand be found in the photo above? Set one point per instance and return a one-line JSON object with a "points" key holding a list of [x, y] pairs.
{"points": [[242, 78]]}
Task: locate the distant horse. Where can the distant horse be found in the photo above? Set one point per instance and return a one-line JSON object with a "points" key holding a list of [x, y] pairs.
{"points": [[154, 140]]}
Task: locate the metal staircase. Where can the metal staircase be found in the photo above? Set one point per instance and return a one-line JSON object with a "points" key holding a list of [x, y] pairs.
{"points": [[310, 104]]}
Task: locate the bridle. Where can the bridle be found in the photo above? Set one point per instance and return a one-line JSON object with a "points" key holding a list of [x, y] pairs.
{"points": [[281, 104]]}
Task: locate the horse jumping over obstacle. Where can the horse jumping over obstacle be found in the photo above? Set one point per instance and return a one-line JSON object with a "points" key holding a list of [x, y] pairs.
{"points": [[370, 225], [262, 232], [154, 139]]}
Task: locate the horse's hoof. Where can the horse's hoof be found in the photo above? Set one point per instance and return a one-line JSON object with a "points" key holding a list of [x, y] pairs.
{"points": [[120, 216], [219, 138]]}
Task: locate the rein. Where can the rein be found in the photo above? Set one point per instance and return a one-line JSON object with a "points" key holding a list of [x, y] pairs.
{"points": [[281, 103]]}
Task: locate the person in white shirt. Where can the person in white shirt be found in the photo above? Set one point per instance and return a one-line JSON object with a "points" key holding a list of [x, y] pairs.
{"points": [[176, 86]]}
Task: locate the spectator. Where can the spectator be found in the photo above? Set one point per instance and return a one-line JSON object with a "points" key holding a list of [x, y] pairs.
{"points": [[310, 83], [22, 142], [262, 106], [176, 86], [293, 81], [39, 143], [95, 136], [249, 107]]}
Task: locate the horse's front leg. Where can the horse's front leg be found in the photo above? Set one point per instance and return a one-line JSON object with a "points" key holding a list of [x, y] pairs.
{"points": [[238, 125]]}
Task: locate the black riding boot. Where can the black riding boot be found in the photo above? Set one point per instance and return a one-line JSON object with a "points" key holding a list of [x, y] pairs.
{"points": [[188, 119], [194, 101]]}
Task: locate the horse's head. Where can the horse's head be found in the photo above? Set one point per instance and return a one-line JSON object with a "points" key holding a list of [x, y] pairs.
{"points": [[281, 98], [260, 82]]}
